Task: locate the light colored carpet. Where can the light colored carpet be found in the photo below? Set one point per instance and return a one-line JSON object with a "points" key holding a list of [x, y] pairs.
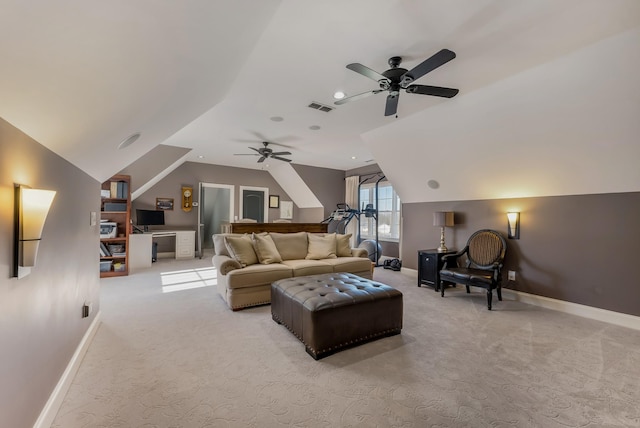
{"points": [[183, 359]]}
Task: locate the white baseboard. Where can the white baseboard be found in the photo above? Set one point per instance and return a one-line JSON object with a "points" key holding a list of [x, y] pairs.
{"points": [[409, 272], [611, 317], [50, 409]]}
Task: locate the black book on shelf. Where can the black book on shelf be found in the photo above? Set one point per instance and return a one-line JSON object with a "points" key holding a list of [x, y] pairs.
{"points": [[123, 190]]}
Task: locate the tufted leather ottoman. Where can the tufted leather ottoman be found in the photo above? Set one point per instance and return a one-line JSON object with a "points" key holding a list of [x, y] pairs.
{"points": [[333, 311]]}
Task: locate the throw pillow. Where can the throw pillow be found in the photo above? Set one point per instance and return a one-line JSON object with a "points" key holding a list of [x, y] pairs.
{"points": [[241, 249], [343, 245], [321, 247], [291, 246], [219, 245], [266, 249]]}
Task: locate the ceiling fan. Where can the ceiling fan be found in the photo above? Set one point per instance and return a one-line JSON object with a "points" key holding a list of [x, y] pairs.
{"points": [[266, 153], [397, 78]]}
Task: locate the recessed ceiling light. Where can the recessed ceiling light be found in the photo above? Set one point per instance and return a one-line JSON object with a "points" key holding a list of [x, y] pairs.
{"points": [[200, 157], [277, 118], [433, 184], [314, 127], [129, 140], [339, 95], [353, 157]]}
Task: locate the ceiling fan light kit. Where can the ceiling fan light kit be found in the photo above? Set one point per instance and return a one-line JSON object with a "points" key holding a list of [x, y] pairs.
{"points": [[397, 78]]}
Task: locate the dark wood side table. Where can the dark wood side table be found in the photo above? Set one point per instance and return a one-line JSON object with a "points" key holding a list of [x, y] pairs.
{"points": [[429, 264]]}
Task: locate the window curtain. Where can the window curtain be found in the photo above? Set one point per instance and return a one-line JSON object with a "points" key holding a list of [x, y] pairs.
{"points": [[351, 199]]}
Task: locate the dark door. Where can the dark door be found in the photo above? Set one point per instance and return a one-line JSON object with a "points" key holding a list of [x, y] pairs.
{"points": [[253, 205]]}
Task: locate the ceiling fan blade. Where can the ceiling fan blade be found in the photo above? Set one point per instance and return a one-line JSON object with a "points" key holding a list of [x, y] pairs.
{"points": [[366, 71], [358, 97], [392, 105], [282, 159], [432, 90], [246, 154], [280, 153], [429, 64], [257, 150], [261, 159]]}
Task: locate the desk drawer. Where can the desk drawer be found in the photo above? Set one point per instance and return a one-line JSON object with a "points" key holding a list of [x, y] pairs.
{"points": [[185, 245]]}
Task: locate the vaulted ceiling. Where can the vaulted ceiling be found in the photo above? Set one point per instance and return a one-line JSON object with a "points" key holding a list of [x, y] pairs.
{"points": [[548, 105]]}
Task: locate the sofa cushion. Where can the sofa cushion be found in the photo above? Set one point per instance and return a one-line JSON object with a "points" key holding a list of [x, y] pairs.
{"points": [[241, 249], [291, 246], [350, 264], [343, 245], [308, 267], [321, 247], [257, 274], [266, 249]]}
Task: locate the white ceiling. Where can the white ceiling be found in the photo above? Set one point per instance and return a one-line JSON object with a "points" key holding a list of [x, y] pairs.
{"points": [[548, 104]]}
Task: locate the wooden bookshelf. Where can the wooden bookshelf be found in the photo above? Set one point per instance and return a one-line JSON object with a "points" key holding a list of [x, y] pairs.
{"points": [[116, 208]]}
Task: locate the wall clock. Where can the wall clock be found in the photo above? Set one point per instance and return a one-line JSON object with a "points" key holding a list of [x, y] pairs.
{"points": [[187, 198]]}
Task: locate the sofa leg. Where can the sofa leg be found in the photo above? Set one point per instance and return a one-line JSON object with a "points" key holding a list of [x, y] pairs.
{"points": [[499, 290], [468, 291], [489, 297]]}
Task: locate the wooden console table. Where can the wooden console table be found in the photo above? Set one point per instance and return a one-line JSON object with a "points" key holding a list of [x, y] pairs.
{"points": [[278, 227]]}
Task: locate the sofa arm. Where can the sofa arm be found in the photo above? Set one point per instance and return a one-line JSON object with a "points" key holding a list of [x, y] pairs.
{"points": [[360, 252], [225, 264]]}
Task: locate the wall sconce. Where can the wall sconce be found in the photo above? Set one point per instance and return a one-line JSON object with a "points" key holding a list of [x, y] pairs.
{"points": [[513, 219], [442, 219], [30, 212]]}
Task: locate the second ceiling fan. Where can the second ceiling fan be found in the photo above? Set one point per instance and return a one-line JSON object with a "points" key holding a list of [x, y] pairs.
{"points": [[266, 153], [396, 78]]}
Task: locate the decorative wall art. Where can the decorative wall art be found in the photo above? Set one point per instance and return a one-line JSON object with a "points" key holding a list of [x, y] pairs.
{"points": [[286, 209], [164, 204]]}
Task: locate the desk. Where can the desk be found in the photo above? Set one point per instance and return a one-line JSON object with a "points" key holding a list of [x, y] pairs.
{"points": [[140, 246]]}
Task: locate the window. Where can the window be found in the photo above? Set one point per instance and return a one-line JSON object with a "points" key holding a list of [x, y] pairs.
{"points": [[388, 212]]}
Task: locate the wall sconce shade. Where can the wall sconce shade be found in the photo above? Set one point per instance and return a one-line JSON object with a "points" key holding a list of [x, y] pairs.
{"points": [[443, 219], [30, 213], [513, 220]]}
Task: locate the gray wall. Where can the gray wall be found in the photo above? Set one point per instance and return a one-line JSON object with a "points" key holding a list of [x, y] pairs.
{"points": [[574, 248], [192, 173], [40, 315], [326, 184]]}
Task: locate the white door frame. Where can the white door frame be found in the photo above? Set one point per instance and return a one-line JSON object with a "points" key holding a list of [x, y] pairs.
{"points": [[200, 207]]}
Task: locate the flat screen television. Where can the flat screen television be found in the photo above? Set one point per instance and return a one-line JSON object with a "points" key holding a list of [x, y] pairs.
{"points": [[148, 218]]}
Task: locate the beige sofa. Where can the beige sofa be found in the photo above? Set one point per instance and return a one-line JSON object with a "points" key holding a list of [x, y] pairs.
{"points": [[247, 264]]}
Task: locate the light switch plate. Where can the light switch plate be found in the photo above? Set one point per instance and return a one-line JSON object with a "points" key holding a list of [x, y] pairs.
{"points": [[93, 220]]}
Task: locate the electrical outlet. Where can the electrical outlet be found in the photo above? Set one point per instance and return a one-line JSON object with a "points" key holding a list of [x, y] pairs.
{"points": [[86, 309], [512, 275]]}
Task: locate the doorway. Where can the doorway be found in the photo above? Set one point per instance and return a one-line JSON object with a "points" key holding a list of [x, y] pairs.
{"points": [[254, 203], [216, 210]]}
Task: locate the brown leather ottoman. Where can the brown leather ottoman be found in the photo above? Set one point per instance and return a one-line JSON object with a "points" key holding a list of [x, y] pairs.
{"points": [[333, 311]]}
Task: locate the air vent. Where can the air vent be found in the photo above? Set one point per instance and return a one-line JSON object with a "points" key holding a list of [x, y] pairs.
{"points": [[321, 107]]}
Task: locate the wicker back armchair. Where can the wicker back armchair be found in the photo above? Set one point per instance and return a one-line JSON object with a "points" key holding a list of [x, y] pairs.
{"points": [[485, 251]]}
